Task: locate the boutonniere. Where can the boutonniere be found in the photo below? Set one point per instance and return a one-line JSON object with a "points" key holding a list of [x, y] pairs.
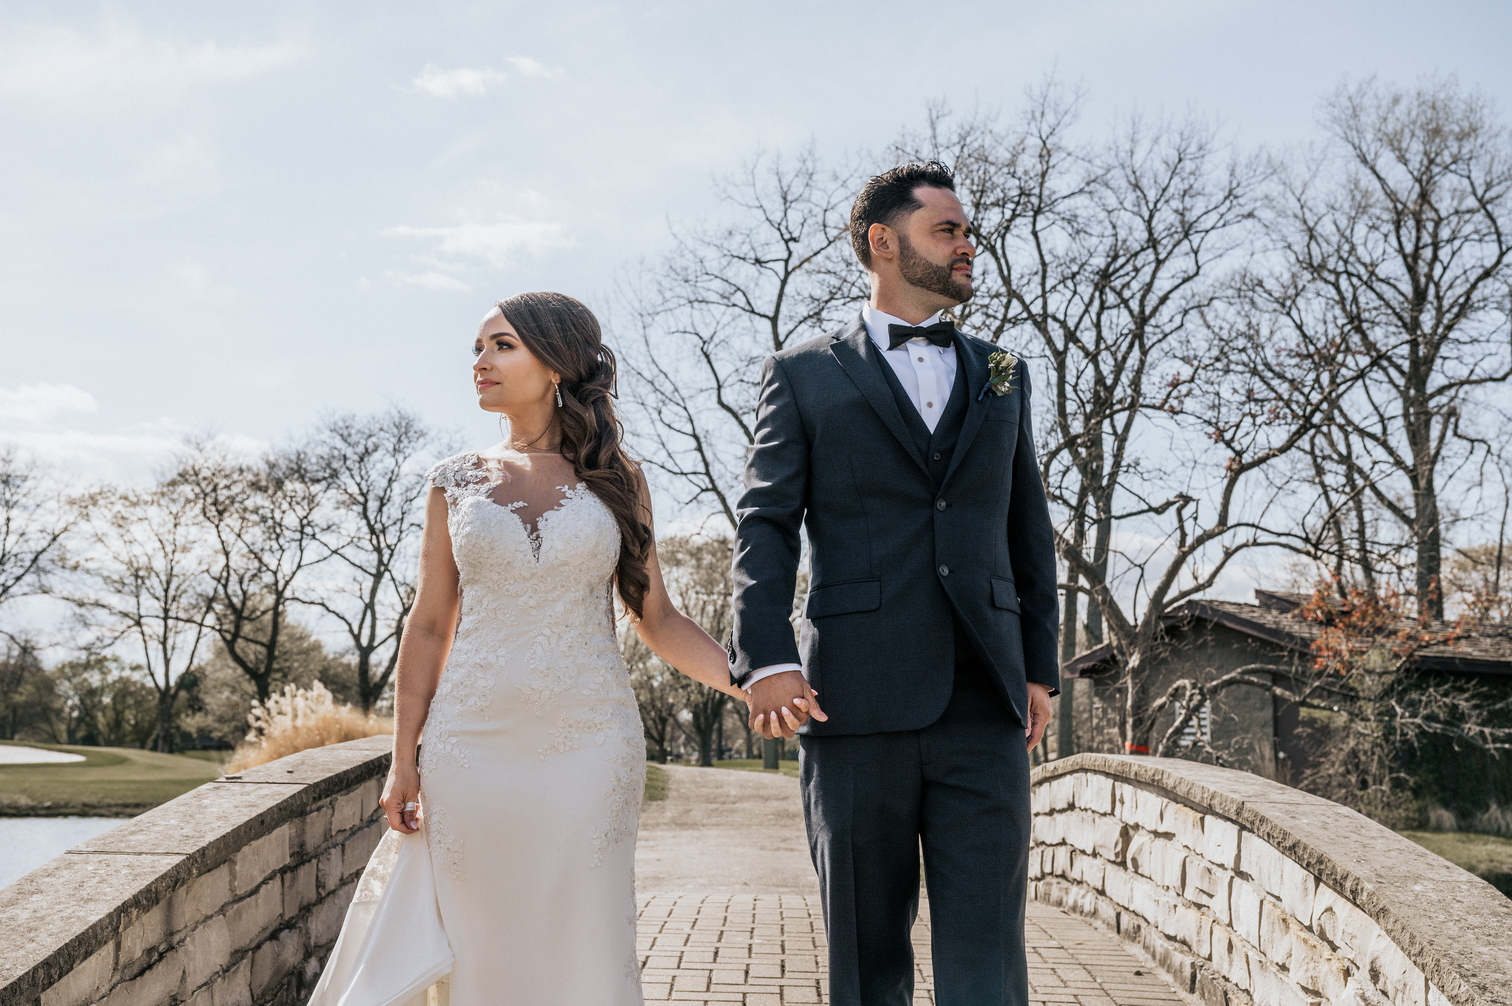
{"points": [[999, 373]]}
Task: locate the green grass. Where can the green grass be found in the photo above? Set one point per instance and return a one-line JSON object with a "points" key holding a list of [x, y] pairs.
{"points": [[788, 768], [217, 758], [1487, 856], [109, 782], [657, 782]]}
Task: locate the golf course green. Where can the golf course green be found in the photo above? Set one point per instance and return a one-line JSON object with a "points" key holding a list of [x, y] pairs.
{"points": [[109, 782]]}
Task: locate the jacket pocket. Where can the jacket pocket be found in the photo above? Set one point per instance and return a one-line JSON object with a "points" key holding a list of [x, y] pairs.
{"points": [[1001, 412], [1005, 593], [842, 598]]}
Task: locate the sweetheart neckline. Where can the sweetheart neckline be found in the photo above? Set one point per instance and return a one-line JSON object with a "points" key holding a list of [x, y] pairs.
{"points": [[536, 539]]}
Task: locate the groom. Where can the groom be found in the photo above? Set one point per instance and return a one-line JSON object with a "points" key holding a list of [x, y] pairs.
{"points": [[929, 631]]}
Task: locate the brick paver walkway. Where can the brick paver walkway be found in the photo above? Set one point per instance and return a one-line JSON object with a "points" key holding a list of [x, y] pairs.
{"points": [[745, 925], [769, 950]]}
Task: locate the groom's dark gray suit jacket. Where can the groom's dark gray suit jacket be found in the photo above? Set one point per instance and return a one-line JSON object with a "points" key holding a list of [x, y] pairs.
{"points": [[912, 550]]}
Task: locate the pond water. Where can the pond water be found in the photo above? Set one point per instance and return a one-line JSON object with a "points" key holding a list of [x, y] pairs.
{"points": [[28, 842]]}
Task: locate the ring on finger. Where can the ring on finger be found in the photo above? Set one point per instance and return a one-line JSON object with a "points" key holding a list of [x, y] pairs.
{"points": [[410, 807]]}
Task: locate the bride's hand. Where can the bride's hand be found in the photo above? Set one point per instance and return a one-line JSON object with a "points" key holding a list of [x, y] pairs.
{"points": [[401, 798]]}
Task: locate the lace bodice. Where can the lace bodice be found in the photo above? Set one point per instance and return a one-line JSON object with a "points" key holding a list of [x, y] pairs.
{"points": [[535, 633], [549, 579], [530, 485]]}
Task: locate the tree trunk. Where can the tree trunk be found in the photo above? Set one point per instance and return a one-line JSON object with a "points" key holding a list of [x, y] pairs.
{"points": [[1065, 742], [165, 722], [1430, 546], [1100, 546], [1136, 728], [770, 752], [365, 681]]}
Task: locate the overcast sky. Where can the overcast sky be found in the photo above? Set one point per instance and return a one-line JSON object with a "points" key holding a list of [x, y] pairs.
{"points": [[232, 218]]}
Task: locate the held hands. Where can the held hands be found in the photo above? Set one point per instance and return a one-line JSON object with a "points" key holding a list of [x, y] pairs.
{"points": [[1040, 712], [401, 798], [781, 703]]}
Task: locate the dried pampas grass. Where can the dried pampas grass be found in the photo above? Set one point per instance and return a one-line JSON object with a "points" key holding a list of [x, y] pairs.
{"points": [[297, 720]]}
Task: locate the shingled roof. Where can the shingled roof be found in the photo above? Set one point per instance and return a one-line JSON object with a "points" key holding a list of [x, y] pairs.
{"points": [[1273, 618]]}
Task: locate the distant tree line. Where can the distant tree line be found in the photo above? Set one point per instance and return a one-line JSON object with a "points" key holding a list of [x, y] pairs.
{"points": [[199, 594], [203, 593]]}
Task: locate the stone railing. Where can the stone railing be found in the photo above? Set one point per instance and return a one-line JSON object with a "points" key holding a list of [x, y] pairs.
{"points": [[1247, 891], [228, 896]]}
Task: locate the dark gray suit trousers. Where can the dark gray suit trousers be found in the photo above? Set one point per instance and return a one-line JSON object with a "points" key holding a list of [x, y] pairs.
{"points": [[960, 788]]}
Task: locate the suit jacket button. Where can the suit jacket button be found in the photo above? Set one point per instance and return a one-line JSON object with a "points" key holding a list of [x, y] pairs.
{"points": [[937, 455], [939, 504], [944, 569]]}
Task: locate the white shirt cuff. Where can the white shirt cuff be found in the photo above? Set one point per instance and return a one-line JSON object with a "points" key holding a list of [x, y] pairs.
{"points": [[768, 671]]}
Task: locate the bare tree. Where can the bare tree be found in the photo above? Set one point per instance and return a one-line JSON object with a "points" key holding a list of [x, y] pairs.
{"points": [[144, 557], [266, 522], [1397, 239], [33, 522], [377, 486], [1478, 575], [657, 695], [697, 571], [702, 318], [29, 702], [1111, 265]]}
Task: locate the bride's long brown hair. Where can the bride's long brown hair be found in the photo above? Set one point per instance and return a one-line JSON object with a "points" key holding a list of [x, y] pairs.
{"points": [[565, 336]]}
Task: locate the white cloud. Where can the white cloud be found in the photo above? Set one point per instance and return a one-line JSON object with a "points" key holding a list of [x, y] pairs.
{"points": [[132, 454], [431, 281], [494, 229], [530, 67], [439, 83], [43, 421], [496, 242], [59, 64], [34, 404]]}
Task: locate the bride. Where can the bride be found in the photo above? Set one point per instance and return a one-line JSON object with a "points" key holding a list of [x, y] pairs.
{"points": [[508, 875]]}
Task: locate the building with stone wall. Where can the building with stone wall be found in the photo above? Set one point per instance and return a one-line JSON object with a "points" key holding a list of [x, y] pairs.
{"points": [[1248, 726]]}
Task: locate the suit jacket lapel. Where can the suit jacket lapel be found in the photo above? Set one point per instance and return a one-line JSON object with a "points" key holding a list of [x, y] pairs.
{"points": [[973, 368], [859, 358]]}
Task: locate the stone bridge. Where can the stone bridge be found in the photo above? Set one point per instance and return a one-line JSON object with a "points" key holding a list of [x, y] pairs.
{"points": [[1241, 890]]}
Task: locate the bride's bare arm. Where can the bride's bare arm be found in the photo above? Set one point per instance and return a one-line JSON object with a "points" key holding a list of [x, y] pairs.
{"points": [[678, 639], [423, 649]]}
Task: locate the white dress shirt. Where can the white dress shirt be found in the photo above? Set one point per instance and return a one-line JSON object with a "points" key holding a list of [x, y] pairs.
{"points": [[927, 373]]}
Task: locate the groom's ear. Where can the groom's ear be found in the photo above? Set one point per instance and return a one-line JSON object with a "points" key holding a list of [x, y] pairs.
{"points": [[884, 243]]}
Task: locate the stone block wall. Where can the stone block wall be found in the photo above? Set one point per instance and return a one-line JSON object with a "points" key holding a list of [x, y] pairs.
{"points": [[231, 895], [1249, 892]]}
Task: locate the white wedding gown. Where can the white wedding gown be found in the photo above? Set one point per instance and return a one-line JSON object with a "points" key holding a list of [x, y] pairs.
{"points": [[519, 888]]}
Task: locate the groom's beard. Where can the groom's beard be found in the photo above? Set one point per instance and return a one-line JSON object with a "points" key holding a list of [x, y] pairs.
{"points": [[927, 275]]}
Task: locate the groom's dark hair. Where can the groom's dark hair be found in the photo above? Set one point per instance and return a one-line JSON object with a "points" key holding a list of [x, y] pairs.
{"points": [[887, 196]]}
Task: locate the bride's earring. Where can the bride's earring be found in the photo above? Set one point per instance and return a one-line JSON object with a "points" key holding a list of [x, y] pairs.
{"points": [[559, 395]]}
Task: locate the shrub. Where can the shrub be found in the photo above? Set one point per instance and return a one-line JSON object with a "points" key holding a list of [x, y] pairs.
{"points": [[1439, 818], [298, 719], [1494, 820]]}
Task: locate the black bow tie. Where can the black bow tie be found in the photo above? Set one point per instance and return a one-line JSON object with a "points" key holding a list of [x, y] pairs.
{"points": [[941, 333]]}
